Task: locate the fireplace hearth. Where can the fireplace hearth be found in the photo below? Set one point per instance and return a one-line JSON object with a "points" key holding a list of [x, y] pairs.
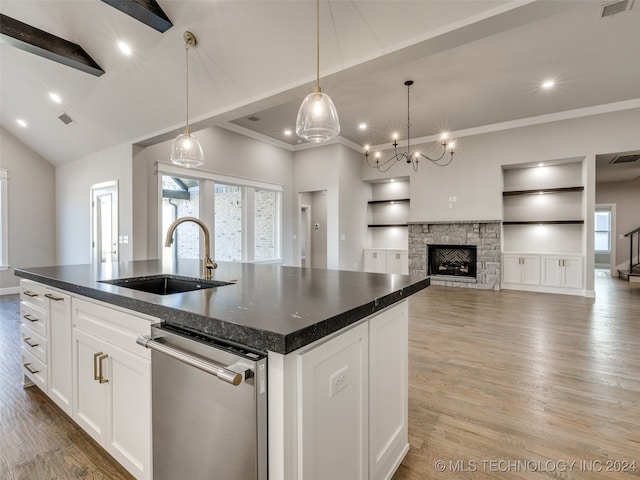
{"points": [[452, 260]]}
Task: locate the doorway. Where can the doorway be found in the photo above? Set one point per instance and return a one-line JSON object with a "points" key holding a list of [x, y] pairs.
{"points": [[305, 235], [604, 241], [104, 222]]}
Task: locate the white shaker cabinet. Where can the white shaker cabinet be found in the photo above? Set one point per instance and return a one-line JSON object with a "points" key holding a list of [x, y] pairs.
{"points": [[60, 361], [562, 271], [112, 383], [521, 269]]}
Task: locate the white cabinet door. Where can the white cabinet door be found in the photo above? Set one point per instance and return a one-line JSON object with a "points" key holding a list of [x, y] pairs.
{"points": [[129, 411], [60, 348], [551, 271], [398, 261], [572, 272], [334, 421], [530, 269], [90, 400], [388, 391], [375, 261], [511, 269]]}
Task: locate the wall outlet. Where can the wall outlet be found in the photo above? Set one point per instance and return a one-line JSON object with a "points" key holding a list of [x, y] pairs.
{"points": [[338, 381]]}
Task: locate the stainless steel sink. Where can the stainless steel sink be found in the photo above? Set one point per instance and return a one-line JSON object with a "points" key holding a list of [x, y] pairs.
{"points": [[166, 284]]}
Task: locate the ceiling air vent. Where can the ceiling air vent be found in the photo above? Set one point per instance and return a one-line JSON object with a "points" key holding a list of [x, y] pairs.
{"points": [[625, 158], [253, 118], [66, 119], [612, 8]]}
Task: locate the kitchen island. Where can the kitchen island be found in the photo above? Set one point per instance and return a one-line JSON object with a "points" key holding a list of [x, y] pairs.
{"points": [[336, 343]]}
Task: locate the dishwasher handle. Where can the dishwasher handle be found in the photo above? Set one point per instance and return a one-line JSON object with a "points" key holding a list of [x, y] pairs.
{"points": [[211, 367]]}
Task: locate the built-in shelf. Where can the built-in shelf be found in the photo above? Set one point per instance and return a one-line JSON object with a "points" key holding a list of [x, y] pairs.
{"points": [[398, 200], [389, 225], [546, 222], [539, 191]]}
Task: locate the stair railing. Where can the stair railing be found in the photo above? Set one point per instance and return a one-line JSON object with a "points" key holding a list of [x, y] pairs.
{"points": [[633, 234]]}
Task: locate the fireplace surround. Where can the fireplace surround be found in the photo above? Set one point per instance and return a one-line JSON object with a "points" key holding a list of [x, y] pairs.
{"points": [[484, 235]]}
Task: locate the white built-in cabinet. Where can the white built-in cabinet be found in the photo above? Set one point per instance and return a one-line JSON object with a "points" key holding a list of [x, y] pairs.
{"points": [[381, 260], [543, 231], [387, 243], [112, 383], [60, 386], [350, 392]]}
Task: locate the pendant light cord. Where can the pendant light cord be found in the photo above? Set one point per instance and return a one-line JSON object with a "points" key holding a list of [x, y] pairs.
{"points": [[186, 51], [408, 123], [317, 46]]}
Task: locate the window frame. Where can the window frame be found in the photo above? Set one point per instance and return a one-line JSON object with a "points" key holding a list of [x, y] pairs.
{"points": [[609, 214], [208, 179]]}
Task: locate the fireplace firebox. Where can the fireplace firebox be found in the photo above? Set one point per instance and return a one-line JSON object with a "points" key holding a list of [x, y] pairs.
{"points": [[452, 260]]}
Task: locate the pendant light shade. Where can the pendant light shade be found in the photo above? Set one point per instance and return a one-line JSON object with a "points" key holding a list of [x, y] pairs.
{"points": [[317, 118], [186, 150]]}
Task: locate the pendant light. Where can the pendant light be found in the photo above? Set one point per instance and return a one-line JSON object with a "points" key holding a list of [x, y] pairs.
{"points": [[186, 150], [317, 118]]}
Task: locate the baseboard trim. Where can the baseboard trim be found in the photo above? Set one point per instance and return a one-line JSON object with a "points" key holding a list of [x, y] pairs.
{"points": [[9, 290]]}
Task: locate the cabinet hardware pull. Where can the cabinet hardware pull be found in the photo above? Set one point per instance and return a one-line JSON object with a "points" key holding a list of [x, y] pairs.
{"points": [[95, 365], [100, 359], [564, 263], [29, 342], [30, 293], [53, 297], [31, 318], [30, 368]]}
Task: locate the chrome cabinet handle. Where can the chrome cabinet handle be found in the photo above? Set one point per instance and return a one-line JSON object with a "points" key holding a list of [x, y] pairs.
{"points": [[30, 368], [95, 365], [53, 297], [29, 342], [101, 377], [211, 367], [30, 293], [31, 318]]}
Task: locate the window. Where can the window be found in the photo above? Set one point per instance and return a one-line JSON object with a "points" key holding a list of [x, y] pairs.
{"points": [[603, 231], [245, 215], [4, 222]]}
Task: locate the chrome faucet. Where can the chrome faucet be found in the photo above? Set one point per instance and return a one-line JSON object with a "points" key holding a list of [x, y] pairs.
{"points": [[209, 264]]}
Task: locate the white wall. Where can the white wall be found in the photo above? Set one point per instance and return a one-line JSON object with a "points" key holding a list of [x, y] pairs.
{"points": [[73, 202], [227, 153], [31, 208]]}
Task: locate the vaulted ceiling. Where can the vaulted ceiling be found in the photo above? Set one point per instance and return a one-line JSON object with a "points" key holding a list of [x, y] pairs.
{"points": [[474, 63]]}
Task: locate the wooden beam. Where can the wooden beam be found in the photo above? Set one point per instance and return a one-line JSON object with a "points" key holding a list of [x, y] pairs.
{"points": [[145, 11], [41, 43]]}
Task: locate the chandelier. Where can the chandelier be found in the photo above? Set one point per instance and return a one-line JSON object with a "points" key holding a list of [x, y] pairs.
{"points": [[409, 157]]}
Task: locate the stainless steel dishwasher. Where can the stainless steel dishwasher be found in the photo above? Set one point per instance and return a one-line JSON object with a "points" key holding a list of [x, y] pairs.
{"points": [[209, 408]]}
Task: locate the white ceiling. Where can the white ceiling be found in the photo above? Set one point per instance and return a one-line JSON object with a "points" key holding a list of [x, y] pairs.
{"points": [[474, 63]]}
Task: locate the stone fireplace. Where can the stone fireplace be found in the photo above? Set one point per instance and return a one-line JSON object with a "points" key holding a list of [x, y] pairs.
{"points": [[458, 254]]}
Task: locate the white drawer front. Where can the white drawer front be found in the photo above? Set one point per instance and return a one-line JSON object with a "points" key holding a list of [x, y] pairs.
{"points": [[34, 318], [35, 370], [33, 343], [33, 293]]}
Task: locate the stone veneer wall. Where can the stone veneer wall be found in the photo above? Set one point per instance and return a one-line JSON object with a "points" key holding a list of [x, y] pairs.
{"points": [[484, 234]]}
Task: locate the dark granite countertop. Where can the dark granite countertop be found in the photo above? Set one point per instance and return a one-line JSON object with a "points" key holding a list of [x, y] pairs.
{"points": [[270, 308]]}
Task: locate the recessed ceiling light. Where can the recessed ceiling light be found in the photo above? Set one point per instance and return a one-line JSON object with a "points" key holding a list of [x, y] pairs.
{"points": [[548, 84], [541, 164], [21, 122], [362, 126], [287, 132], [124, 48], [55, 97]]}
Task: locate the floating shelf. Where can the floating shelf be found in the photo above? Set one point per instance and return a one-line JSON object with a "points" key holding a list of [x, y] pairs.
{"points": [[389, 225], [546, 222], [398, 200], [538, 191]]}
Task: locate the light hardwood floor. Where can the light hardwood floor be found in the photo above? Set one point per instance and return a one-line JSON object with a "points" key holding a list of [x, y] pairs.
{"points": [[501, 384]]}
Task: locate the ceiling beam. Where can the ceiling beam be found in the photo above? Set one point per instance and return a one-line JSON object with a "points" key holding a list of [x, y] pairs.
{"points": [[41, 43], [145, 11]]}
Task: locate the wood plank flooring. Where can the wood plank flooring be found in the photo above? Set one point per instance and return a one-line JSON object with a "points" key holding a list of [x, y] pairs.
{"points": [[511, 385], [503, 385]]}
